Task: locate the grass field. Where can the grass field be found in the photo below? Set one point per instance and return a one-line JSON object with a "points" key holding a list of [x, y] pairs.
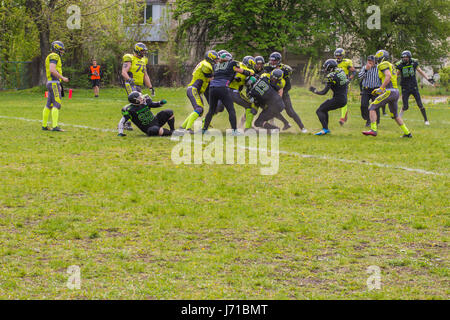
{"points": [[141, 227]]}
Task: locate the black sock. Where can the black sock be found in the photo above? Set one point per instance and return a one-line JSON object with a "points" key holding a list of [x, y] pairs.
{"points": [[171, 123], [424, 114]]}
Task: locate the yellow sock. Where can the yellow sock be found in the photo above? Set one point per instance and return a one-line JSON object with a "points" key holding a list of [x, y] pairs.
{"points": [[344, 111], [405, 129], [373, 126], [45, 115], [55, 115], [194, 115]]}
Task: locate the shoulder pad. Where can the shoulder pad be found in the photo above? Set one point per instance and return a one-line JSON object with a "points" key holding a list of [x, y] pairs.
{"points": [[127, 58], [54, 56], [384, 65]]}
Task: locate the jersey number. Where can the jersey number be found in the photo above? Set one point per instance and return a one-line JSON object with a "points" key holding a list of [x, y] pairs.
{"points": [[139, 67]]}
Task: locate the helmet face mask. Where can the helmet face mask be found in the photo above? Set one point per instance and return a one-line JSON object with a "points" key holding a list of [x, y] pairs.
{"points": [[140, 50], [259, 60], [339, 54], [226, 56], [275, 59], [406, 56], [212, 56], [329, 66], [249, 62], [58, 47], [136, 98]]}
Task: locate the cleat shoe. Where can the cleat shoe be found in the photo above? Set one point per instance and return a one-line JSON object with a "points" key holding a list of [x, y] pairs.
{"points": [[121, 135], [341, 121], [409, 135], [46, 129], [179, 132], [322, 132], [57, 129], [304, 130], [427, 123], [370, 133], [286, 126], [236, 133]]}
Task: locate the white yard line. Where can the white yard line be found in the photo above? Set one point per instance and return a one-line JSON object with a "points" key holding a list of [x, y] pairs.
{"points": [[327, 158]]}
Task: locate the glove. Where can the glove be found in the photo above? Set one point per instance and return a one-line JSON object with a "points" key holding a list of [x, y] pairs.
{"points": [[153, 91], [312, 89], [251, 99], [378, 91], [130, 81], [253, 111], [163, 101], [121, 135]]}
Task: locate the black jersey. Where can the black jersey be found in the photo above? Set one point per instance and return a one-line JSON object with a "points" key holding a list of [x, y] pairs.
{"points": [[336, 81], [141, 115], [408, 73], [224, 73], [263, 90]]}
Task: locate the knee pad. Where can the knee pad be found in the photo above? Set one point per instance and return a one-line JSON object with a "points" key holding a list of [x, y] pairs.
{"points": [[153, 131], [199, 110]]}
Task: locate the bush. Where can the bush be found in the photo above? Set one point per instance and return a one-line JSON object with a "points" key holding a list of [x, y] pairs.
{"points": [[444, 79]]}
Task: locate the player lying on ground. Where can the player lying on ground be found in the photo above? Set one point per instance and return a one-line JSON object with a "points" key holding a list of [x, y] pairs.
{"points": [[138, 111]]}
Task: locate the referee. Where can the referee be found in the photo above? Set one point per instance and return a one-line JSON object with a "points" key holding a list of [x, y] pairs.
{"points": [[370, 82]]}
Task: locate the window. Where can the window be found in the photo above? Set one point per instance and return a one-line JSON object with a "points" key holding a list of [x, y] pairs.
{"points": [[153, 58]]}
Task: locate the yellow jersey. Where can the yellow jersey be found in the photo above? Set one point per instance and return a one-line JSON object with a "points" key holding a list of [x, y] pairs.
{"points": [[239, 79], [345, 65], [279, 85], [386, 65], [201, 76], [137, 69], [56, 59]]}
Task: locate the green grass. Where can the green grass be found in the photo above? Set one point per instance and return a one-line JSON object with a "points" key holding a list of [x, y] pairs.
{"points": [[141, 227]]}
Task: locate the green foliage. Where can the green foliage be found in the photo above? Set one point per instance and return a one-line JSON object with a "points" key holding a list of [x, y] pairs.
{"points": [[444, 79], [312, 27]]}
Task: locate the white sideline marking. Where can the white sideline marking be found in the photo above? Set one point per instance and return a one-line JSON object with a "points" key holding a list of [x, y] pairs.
{"points": [[64, 124], [374, 164], [293, 153]]}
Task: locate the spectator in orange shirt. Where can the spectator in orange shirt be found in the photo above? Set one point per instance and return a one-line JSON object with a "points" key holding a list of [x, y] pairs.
{"points": [[95, 76]]}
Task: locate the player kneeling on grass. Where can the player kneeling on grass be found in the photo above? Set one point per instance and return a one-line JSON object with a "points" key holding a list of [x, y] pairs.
{"points": [[138, 111], [387, 94], [336, 81]]}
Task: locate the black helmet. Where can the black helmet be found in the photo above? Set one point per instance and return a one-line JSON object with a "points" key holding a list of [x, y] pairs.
{"points": [[249, 62], [140, 49], [406, 56], [135, 98], [58, 47], [339, 54], [381, 55], [275, 59], [211, 56], [259, 59], [276, 75], [329, 65]]}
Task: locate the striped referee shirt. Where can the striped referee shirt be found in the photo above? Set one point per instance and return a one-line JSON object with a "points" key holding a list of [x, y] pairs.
{"points": [[370, 78]]}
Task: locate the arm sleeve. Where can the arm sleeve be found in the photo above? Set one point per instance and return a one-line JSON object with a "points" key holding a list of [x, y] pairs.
{"points": [[363, 73], [324, 91], [121, 124]]}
